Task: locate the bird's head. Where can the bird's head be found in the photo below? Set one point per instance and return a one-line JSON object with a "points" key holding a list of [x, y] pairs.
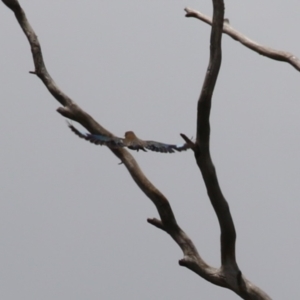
{"points": [[130, 135]]}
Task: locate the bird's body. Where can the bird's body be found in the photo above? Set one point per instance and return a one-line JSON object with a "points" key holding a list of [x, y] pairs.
{"points": [[130, 141]]}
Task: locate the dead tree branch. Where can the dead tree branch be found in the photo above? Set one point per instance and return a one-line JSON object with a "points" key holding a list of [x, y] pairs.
{"points": [[260, 49], [72, 111], [202, 152], [229, 275], [229, 270]]}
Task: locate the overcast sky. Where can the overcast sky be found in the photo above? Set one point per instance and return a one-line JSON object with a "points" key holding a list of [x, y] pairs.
{"points": [[72, 221]]}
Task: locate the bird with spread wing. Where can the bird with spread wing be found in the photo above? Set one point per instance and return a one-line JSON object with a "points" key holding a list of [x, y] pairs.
{"points": [[130, 141]]}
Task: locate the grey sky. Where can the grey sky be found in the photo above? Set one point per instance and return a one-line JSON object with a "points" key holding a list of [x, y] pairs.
{"points": [[73, 223]]}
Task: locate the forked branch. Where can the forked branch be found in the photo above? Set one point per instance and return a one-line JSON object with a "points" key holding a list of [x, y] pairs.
{"points": [[230, 271], [228, 275]]}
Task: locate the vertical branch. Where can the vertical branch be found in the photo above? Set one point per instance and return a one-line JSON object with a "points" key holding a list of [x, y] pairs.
{"points": [[229, 271], [202, 151]]}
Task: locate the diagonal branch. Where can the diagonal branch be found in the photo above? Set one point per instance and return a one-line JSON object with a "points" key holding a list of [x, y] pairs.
{"points": [[236, 35], [71, 110]]}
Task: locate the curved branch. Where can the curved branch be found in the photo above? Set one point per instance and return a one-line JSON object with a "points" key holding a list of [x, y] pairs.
{"points": [[236, 35], [229, 268], [202, 152], [228, 275], [71, 110]]}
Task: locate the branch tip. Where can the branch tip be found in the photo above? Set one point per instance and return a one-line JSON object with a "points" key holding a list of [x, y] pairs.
{"points": [[157, 223], [64, 111], [182, 262], [12, 4], [189, 12], [188, 141]]}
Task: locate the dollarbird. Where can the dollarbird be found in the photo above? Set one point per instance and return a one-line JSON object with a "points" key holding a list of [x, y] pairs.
{"points": [[130, 141]]}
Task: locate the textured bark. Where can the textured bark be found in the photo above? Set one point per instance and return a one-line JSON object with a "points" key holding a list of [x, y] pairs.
{"points": [[228, 275]]}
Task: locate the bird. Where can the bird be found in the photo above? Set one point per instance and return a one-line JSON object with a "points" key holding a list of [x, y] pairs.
{"points": [[130, 141]]}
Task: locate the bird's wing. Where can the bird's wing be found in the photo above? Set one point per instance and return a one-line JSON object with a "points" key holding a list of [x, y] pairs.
{"points": [[133, 143], [165, 148], [99, 139], [136, 144]]}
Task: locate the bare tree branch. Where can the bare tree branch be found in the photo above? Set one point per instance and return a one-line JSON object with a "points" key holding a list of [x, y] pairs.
{"points": [[229, 268], [260, 49], [202, 152], [72, 111], [228, 275]]}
